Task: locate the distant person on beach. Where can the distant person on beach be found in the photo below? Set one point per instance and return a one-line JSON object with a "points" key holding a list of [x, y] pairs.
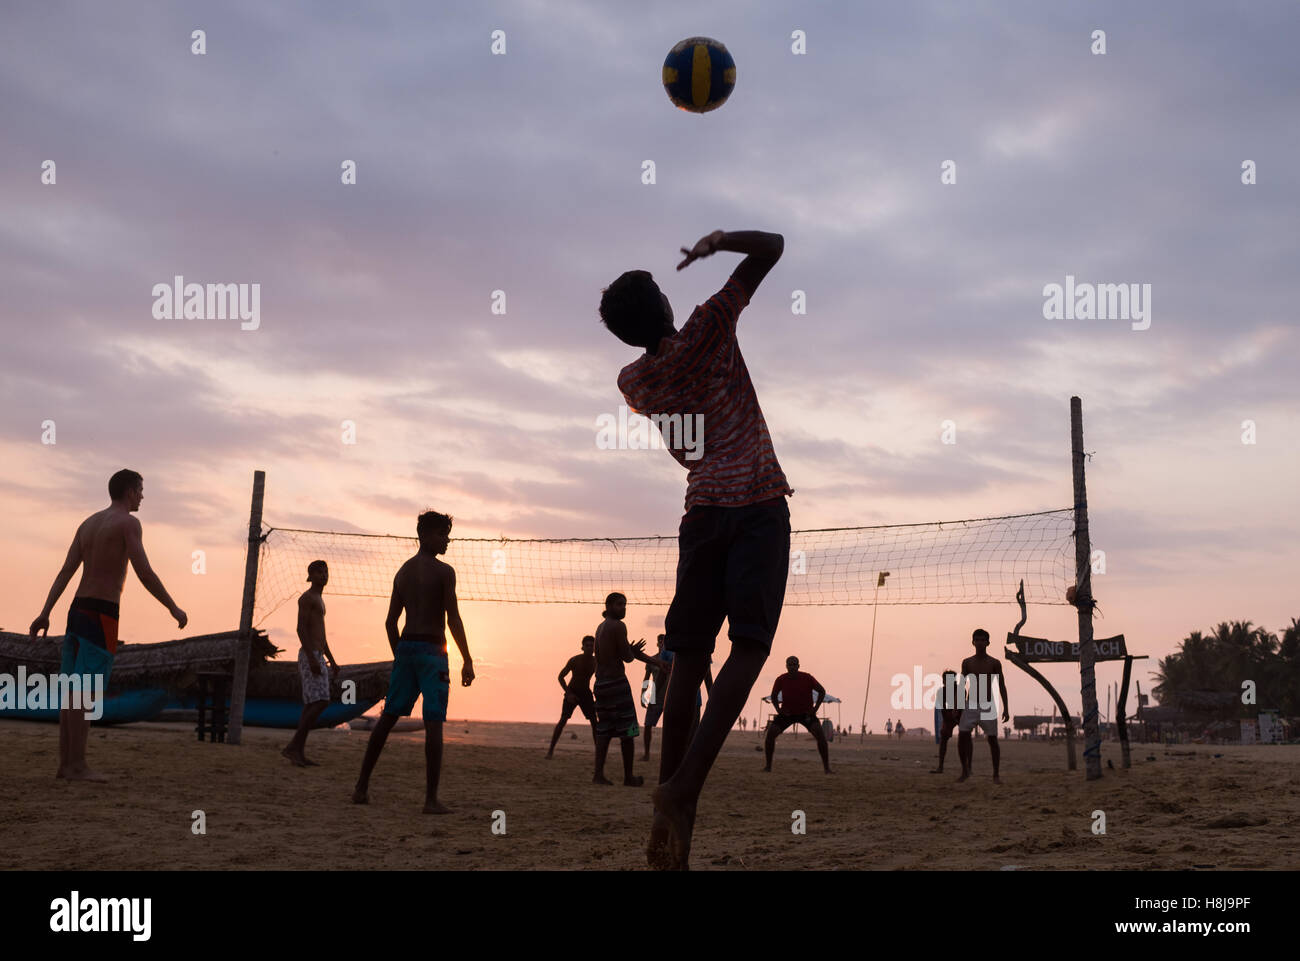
{"points": [[654, 710], [734, 540], [978, 672], [800, 696], [889, 727], [103, 544], [425, 588], [577, 692], [313, 671], [946, 715], [615, 709], [898, 729]]}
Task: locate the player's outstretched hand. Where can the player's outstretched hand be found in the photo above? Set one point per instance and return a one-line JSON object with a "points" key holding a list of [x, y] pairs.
{"points": [[41, 623], [703, 248], [638, 646], [467, 674]]}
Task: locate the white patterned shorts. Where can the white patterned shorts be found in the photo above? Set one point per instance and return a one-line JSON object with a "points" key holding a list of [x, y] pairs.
{"points": [[315, 687]]}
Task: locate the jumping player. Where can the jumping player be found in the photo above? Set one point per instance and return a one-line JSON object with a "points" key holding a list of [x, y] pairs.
{"points": [[425, 588], [797, 706], [313, 671], [734, 540], [104, 542], [577, 692], [978, 671]]}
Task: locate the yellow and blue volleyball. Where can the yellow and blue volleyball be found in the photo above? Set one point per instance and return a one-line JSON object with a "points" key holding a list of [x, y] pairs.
{"points": [[699, 74]]}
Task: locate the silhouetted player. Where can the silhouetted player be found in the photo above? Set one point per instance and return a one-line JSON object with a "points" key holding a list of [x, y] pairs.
{"points": [[734, 541], [313, 671], [577, 692], [425, 588], [655, 709], [801, 695], [946, 715], [104, 542], [615, 709], [978, 671]]}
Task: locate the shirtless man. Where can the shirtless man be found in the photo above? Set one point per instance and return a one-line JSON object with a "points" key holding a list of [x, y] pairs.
{"points": [[577, 692], [312, 670], [425, 588], [615, 710], [977, 673], [104, 542]]}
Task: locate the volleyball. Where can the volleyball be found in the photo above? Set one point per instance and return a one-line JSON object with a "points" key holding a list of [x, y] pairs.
{"points": [[699, 74]]}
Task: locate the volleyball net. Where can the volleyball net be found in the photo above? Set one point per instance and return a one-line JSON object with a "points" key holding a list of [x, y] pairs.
{"points": [[971, 561]]}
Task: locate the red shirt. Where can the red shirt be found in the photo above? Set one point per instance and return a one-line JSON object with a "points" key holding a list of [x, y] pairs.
{"points": [[699, 370], [796, 692]]}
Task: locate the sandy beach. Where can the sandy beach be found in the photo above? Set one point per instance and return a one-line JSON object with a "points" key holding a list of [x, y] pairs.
{"points": [[1193, 807]]}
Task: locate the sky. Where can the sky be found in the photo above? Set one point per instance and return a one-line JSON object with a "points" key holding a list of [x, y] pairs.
{"points": [[522, 173]]}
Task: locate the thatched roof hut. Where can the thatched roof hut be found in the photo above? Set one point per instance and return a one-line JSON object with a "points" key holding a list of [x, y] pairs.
{"points": [[169, 664], [175, 665]]}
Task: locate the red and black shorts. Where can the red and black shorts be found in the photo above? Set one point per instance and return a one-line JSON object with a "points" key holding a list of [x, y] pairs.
{"points": [[781, 721], [732, 565]]}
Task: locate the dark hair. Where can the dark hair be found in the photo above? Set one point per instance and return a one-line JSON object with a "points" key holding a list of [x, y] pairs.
{"points": [[316, 566], [588, 638], [431, 522], [609, 599], [949, 671], [979, 632], [123, 481], [633, 309]]}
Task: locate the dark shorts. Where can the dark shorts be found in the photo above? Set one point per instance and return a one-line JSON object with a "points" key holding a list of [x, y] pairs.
{"points": [[653, 713], [584, 701], [732, 564], [615, 709], [91, 638], [781, 721], [950, 721]]}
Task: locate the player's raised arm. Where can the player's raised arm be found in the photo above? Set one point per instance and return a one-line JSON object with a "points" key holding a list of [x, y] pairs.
{"points": [[762, 251], [70, 565], [143, 570]]}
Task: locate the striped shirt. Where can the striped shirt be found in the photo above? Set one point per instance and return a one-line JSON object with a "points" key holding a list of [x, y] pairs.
{"points": [[699, 371]]}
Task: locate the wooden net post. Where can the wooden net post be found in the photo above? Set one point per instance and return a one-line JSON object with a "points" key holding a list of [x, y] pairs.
{"points": [[239, 683], [1083, 599], [1123, 706]]}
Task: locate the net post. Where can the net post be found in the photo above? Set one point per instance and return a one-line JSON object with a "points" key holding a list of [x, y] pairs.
{"points": [[239, 683], [1083, 598]]}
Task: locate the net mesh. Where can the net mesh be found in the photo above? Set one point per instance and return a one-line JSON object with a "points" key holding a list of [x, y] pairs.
{"points": [[973, 561]]}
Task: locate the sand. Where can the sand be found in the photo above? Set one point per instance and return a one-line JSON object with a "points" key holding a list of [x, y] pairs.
{"points": [[1193, 807]]}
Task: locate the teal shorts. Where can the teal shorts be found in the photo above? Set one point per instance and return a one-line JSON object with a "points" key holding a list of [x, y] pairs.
{"points": [[82, 657], [419, 668]]}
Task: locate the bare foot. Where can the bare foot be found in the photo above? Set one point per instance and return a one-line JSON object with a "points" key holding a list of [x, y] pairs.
{"points": [[360, 796], [963, 777], [828, 771], [633, 781], [295, 756], [436, 807], [601, 779], [83, 774], [309, 762], [996, 779], [937, 770], [768, 769], [550, 756], [670, 834]]}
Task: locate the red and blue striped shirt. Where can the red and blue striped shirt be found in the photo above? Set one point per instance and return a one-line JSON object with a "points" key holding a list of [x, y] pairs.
{"points": [[700, 371]]}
